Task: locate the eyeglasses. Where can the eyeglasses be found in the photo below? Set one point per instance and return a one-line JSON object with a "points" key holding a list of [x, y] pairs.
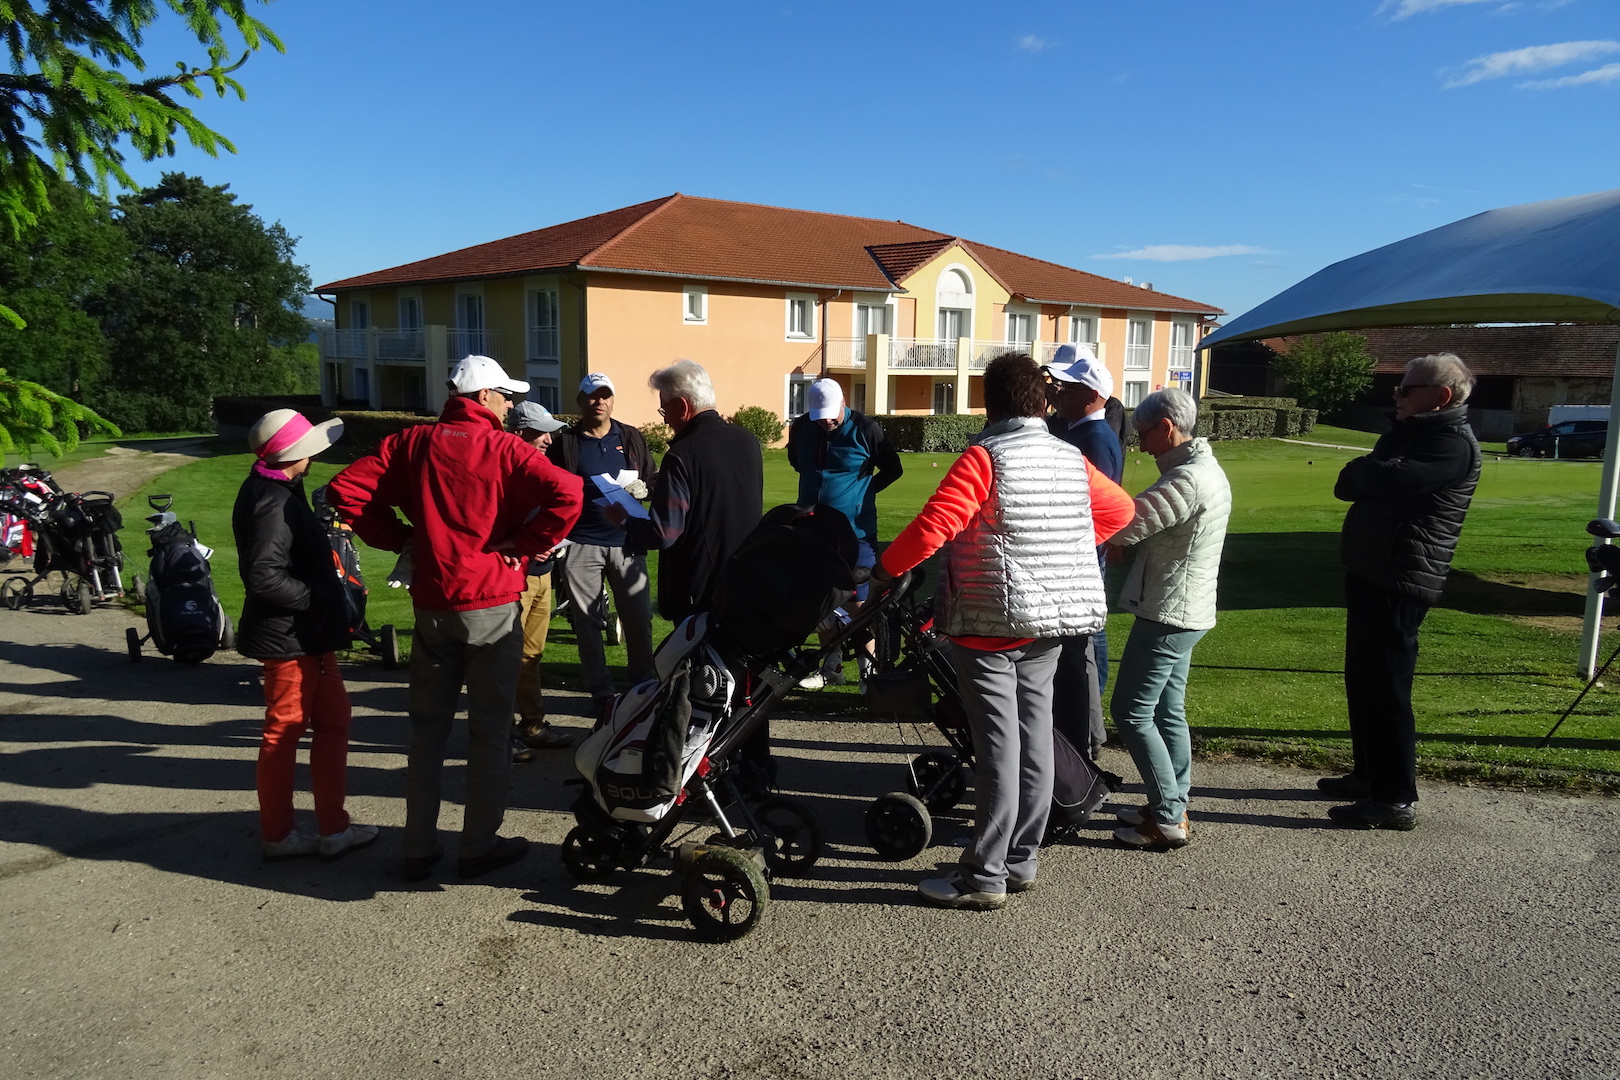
{"points": [[1407, 388]]}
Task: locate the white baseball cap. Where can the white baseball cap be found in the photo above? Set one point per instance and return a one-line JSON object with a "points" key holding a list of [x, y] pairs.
{"points": [[474, 373], [826, 400], [595, 381], [1072, 365]]}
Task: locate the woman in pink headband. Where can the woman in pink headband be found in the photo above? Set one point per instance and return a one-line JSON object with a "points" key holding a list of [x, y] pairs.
{"points": [[294, 620]]}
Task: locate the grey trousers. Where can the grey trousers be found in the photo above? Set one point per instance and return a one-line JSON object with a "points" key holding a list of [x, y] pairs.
{"points": [[482, 650], [584, 568], [1008, 699]]}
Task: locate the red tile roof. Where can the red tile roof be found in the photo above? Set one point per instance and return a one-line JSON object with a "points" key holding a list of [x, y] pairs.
{"points": [[690, 237], [1570, 350]]}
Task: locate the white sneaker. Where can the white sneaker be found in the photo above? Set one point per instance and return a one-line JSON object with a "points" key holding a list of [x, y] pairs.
{"points": [[355, 836], [1153, 836], [298, 842], [1136, 815], [813, 681], [951, 892]]}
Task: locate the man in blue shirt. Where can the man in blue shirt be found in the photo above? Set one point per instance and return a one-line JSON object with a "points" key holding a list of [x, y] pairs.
{"points": [[843, 460], [597, 445], [1079, 390]]}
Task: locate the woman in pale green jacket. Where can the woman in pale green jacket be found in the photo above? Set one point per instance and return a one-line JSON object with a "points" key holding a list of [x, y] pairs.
{"points": [[1177, 534]]}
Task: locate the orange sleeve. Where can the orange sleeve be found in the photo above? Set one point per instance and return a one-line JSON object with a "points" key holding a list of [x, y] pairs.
{"points": [[960, 494], [1111, 508]]}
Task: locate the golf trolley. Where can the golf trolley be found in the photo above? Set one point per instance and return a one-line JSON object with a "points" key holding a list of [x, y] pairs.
{"points": [[184, 618], [1604, 561], [74, 534]]}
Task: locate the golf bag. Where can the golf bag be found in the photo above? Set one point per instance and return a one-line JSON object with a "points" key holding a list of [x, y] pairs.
{"points": [[183, 612]]}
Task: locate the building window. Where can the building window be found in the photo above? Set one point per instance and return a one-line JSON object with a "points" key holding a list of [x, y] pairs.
{"points": [[871, 319], [1134, 393], [1138, 344], [410, 313], [1082, 331], [1181, 346], [545, 328], [857, 396], [548, 395], [362, 384], [695, 305], [359, 315], [1020, 328], [798, 391], [944, 398], [801, 318]]}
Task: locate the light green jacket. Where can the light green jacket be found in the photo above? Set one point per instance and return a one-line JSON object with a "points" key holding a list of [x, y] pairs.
{"points": [[1178, 533]]}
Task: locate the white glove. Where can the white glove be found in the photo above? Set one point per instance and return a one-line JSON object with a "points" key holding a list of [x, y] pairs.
{"points": [[400, 576], [637, 488]]}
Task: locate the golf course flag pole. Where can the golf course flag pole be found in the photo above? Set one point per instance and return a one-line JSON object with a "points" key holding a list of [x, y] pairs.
{"points": [[1592, 626]]}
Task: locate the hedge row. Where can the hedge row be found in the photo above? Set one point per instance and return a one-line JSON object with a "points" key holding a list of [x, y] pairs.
{"points": [[946, 433], [1248, 403]]}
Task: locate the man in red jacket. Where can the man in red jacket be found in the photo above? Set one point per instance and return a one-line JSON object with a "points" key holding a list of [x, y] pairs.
{"points": [[478, 501]]}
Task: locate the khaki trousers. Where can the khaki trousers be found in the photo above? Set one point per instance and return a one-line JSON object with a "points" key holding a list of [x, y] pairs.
{"points": [[535, 611]]}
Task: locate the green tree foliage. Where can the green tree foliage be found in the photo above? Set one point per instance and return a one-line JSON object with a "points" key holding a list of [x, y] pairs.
{"points": [[207, 306], [55, 277], [33, 415], [69, 104], [1327, 371], [765, 425]]}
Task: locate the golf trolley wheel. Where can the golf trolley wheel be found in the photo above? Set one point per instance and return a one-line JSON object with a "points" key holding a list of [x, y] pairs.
{"points": [[388, 639], [613, 631], [589, 856], [724, 894], [86, 599], [938, 781], [793, 836], [227, 634], [898, 826], [132, 640], [16, 592], [137, 588]]}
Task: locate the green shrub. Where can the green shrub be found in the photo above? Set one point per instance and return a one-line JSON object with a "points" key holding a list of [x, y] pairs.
{"points": [[657, 435], [946, 433], [1248, 403], [1242, 423], [1307, 420], [364, 430], [760, 422]]}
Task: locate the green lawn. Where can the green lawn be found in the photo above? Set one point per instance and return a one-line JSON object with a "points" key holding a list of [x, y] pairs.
{"points": [[1498, 660]]}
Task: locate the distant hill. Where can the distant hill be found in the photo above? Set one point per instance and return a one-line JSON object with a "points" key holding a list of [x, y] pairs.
{"points": [[316, 308]]}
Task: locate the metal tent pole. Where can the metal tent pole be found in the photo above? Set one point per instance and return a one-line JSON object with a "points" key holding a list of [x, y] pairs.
{"points": [[1592, 626]]}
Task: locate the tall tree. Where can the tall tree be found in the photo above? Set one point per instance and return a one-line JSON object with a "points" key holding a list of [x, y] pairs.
{"points": [[209, 305], [54, 277], [1326, 371]]}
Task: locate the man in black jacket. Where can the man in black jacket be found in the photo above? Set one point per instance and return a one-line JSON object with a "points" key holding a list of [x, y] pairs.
{"points": [[599, 445], [294, 618], [1408, 500]]}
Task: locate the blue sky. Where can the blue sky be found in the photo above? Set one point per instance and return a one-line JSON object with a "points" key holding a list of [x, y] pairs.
{"points": [[1221, 149]]}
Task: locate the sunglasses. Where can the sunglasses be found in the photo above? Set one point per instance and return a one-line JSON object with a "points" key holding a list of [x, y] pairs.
{"points": [[1407, 388]]}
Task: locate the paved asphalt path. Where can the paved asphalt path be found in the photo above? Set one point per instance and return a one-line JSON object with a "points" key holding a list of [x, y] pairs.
{"points": [[141, 936]]}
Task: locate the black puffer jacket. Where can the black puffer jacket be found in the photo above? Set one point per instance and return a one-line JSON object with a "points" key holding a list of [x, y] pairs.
{"points": [[1409, 497], [294, 604]]}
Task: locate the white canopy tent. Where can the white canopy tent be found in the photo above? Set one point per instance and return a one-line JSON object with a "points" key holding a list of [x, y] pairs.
{"points": [[1555, 261]]}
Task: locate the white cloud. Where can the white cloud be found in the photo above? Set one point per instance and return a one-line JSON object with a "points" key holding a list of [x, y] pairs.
{"points": [[1185, 252], [1534, 58], [1030, 43], [1608, 73], [1405, 9]]}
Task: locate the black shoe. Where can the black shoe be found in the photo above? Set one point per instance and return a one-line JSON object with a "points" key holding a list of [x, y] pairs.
{"points": [[418, 867], [507, 850], [522, 753], [543, 736], [1344, 787], [1373, 814]]}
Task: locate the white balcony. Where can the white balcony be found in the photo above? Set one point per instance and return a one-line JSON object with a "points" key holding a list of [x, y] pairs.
{"points": [[846, 354], [986, 351], [922, 354], [461, 343]]}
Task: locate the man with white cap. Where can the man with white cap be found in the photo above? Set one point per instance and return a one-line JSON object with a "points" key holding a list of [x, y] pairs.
{"points": [[534, 424], [843, 459], [1079, 388], [294, 620], [477, 500], [599, 445]]}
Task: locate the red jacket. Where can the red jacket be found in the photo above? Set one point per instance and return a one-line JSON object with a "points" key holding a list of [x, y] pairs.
{"points": [[467, 486]]}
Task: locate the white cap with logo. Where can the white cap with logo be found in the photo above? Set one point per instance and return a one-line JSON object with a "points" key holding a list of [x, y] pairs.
{"points": [[1081, 366], [595, 381], [825, 400], [474, 373]]}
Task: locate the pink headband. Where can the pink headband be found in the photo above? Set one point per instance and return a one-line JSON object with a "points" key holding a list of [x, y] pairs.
{"points": [[296, 427]]}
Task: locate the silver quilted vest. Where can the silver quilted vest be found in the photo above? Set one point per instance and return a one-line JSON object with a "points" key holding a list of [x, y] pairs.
{"points": [[1025, 566]]}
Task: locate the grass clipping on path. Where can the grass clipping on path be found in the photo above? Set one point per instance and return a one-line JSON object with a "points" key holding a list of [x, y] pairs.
{"points": [[1498, 655]]}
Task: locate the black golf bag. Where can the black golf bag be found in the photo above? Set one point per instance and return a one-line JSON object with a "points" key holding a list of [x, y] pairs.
{"points": [[184, 617]]}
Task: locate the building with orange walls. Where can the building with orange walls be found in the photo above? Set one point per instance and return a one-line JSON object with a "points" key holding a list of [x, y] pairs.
{"points": [[767, 299]]}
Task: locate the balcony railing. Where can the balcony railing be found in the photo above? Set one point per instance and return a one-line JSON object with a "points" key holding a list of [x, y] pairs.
{"points": [[401, 344], [846, 353], [346, 344], [1138, 357], [986, 351], [922, 354], [461, 343], [1181, 358]]}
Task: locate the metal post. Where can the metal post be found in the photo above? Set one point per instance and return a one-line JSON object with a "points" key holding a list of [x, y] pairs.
{"points": [[1592, 626]]}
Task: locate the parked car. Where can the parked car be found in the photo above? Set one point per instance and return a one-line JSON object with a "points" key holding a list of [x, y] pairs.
{"points": [[1568, 439]]}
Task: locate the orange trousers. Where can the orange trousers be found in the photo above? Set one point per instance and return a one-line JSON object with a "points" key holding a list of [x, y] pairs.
{"points": [[305, 692]]}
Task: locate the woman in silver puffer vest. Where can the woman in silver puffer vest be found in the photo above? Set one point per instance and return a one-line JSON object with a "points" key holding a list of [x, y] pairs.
{"points": [[1178, 533]]}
